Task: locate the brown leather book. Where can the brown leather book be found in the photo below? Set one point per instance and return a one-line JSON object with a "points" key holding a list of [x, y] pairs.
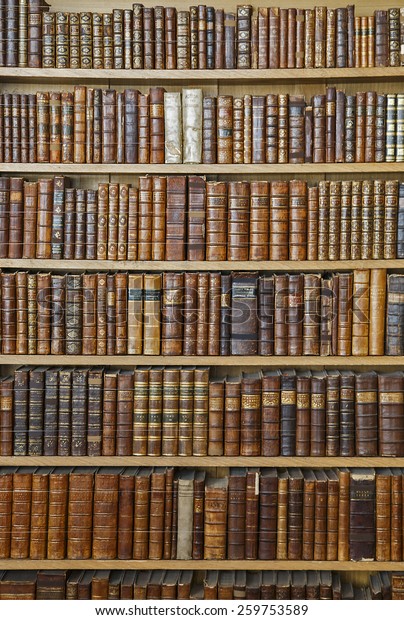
{"points": [[183, 40], [169, 512], [215, 525], [57, 512], [258, 129], [123, 208], [238, 130], [86, 51], [216, 218], [185, 411], [278, 220], [303, 413], [312, 223], [175, 218], [156, 518], [21, 345], [156, 125], [367, 219], [7, 423], [74, 36], [244, 331], [201, 412], [271, 135], [295, 314], [394, 314], [311, 317], [109, 128], [135, 308], [309, 506], [298, 219], [319, 129], [141, 412], [243, 42], [196, 218], [105, 513], [214, 312], [141, 512], [330, 123], [225, 314], [320, 36], [360, 312], [145, 218], [366, 414], [362, 529], [198, 515], [283, 129], [281, 309], [109, 413], [236, 524], [320, 516], [89, 314], [318, 414], [396, 514], [252, 514], [225, 129], [232, 414], [8, 313], [151, 309], [172, 326], [238, 220], [281, 528], [295, 514], [377, 303], [209, 130], [343, 514], [170, 411], [124, 413], [383, 515], [330, 46], [266, 299], [379, 216], [332, 515], [202, 325], [394, 37], [152, 428], [80, 513], [138, 36], [381, 38], [390, 420], [296, 111], [250, 434], [20, 506], [144, 128], [190, 313], [347, 401]]}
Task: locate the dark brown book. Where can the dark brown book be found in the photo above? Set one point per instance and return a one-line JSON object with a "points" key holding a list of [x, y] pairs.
{"points": [[175, 218], [198, 515], [362, 531], [390, 393], [215, 525], [244, 318]]}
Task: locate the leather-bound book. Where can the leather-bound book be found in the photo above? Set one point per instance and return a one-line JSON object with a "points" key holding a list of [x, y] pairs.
{"points": [[243, 43], [362, 531], [320, 36], [124, 413], [216, 218], [330, 124], [332, 515], [291, 39], [396, 514], [238, 130], [278, 220], [169, 523], [312, 223], [57, 512], [232, 415], [113, 213], [21, 345], [339, 125], [79, 396], [263, 37], [295, 514], [109, 127], [98, 43], [201, 411], [152, 427], [350, 128], [367, 219], [65, 413], [123, 208], [390, 226], [145, 220], [311, 315], [54, 127], [143, 129], [73, 315], [390, 419], [198, 36], [209, 130], [138, 36], [366, 397], [101, 308], [6, 504], [121, 284], [283, 38], [236, 510], [9, 313], [381, 38], [252, 514], [303, 413], [133, 209], [44, 218], [62, 40], [391, 127], [44, 313], [281, 283], [57, 238], [170, 411], [105, 513], [356, 220], [238, 220], [309, 38], [341, 28], [51, 585], [295, 314], [319, 129], [330, 45], [190, 313], [192, 105], [268, 491], [36, 404], [185, 514], [198, 515], [183, 40], [296, 111], [379, 217], [58, 334], [141, 514], [244, 318], [141, 412], [298, 219], [332, 446], [173, 128], [383, 515], [345, 314], [309, 507], [67, 127], [271, 132], [157, 125], [79, 127], [80, 513], [14, 402], [7, 425], [94, 411], [229, 55], [345, 230], [377, 304], [258, 130], [175, 218], [318, 414], [214, 312], [282, 515], [135, 306], [100, 585], [29, 211], [320, 516], [283, 129], [360, 312], [74, 40], [225, 314], [370, 126], [89, 314], [15, 128], [219, 39], [196, 218], [380, 128], [250, 433], [225, 129], [288, 413], [109, 413], [343, 514], [266, 298], [202, 325], [86, 41], [156, 518], [89, 138], [172, 327], [80, 222], [21, 584], [215, 526], [274, 38], [394, 37]]}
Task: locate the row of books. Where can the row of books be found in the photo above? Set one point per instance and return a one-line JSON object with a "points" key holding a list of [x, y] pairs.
{"points": [[239, 313], [171, 411], [190, 218], [186, 584], [165, 513], [200, 38], [93, 125]]}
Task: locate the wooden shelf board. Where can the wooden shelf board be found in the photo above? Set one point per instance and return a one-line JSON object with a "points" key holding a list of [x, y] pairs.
{"points": [[198, 565], [14, 74], [204, 360], [201, 461], [290, 265], [204, 168]]}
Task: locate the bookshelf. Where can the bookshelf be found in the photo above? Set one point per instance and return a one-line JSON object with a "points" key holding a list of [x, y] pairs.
{"points": [[214, 82]]}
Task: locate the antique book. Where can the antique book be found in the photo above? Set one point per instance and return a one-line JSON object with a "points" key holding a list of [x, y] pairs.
{"points": [[185, 515], [362, 533], [192, 125], [244, 317], [215, 524], [173, 128]]}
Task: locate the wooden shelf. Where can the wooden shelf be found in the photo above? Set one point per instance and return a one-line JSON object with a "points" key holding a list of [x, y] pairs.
{"points": [[198, 565], [201, 461], [17, 74], [276, 361], [126, 265], [239, 169]]}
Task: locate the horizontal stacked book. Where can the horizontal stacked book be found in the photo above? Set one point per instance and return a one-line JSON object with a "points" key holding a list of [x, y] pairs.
{"points": [[357, 313], [164, 513], [94, 125], [184, 411], [203, 37], [191, 218], [187, 584]]}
